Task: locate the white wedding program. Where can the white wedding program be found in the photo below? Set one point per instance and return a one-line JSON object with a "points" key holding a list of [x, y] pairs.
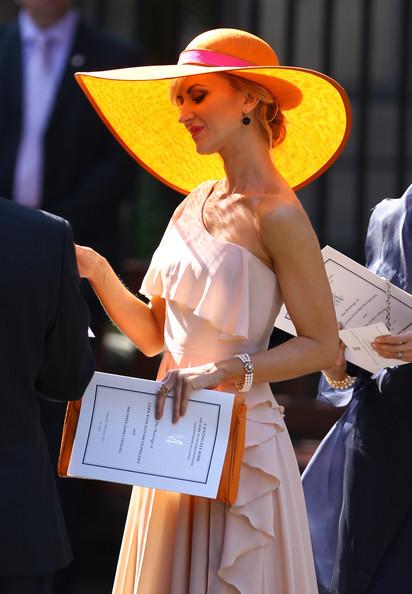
{"points": [[118, 438], [360, 298]]}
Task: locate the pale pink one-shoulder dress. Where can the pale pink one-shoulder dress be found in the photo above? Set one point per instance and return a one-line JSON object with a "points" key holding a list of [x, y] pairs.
{"points": [[220, 300]]}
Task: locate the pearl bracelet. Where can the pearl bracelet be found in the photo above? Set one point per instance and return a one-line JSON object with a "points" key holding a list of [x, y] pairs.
{"points": [[343, 384], [248, 369]]}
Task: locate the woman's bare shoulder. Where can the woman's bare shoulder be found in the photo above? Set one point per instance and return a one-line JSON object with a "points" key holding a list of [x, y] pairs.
{"points": [[279, 208], [284, 224]]}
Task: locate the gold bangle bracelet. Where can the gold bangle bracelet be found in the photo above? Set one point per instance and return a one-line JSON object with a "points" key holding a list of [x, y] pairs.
{"points": [[343, 384]]}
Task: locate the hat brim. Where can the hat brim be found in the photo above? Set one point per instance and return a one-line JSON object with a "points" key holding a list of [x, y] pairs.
{"points": [[134, 103]]}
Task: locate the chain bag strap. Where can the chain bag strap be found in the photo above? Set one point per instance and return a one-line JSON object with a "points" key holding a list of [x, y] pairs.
{"points": [[388, 303]]}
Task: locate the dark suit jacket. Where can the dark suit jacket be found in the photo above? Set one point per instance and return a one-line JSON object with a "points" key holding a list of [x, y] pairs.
{"points": [[377, 487], [375, 531], [44, 351], [87, 173]]}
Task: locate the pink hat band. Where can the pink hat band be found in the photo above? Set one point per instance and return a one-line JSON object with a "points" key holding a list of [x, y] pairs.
{"points": [[211, 58]]}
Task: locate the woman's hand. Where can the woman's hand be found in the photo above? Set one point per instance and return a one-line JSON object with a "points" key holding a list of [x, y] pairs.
{"points": [[338, 371], [182, 382], [143, 323], [87, 261], [395, 346]]}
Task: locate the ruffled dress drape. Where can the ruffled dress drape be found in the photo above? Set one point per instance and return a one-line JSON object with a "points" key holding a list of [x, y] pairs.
{"points": [[220, 300]]}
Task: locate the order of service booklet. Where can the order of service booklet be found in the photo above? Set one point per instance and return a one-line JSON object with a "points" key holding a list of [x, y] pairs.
{"points": [[118, 438], [360, 297]]}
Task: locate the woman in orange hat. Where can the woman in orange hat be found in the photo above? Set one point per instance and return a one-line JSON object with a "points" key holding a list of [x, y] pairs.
{"points": [[239, 134]]}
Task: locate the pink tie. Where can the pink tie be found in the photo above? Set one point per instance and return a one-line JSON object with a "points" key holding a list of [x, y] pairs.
{"points": [[38, 94]]}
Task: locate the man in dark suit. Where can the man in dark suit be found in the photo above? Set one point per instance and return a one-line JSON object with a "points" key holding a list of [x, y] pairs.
{"points": [[44, 351], [55, 153]]}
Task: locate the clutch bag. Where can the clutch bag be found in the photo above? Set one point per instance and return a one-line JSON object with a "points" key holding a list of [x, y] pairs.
{"points": [[229, 481]]}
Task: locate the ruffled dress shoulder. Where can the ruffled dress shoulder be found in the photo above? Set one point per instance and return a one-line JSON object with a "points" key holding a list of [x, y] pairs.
{"points": [[213, 278]]}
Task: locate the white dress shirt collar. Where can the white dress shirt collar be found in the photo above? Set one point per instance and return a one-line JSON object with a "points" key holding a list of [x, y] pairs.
{"points": [[61, 30]]}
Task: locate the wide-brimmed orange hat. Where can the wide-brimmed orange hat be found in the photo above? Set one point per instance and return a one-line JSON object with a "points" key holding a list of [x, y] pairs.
{"points": [[135, 105]]}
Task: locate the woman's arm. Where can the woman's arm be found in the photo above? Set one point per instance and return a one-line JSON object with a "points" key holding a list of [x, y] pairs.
{"points": [[142, 323], [290, 241]]}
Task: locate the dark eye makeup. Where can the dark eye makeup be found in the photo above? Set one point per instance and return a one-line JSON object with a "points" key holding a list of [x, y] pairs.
{"points": [[198, 98]]}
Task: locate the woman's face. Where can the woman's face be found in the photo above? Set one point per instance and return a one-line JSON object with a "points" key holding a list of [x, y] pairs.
{"points": [[211, 109]]}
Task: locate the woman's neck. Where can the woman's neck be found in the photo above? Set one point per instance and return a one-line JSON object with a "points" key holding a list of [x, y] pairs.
{"points": [[249, 170]]}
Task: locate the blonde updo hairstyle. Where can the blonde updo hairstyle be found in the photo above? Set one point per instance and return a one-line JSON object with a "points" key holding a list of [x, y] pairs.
{"points": [[267, 112]]}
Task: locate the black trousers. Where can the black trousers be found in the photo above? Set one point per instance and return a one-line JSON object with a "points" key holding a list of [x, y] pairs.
{"points": [[26, 584]]}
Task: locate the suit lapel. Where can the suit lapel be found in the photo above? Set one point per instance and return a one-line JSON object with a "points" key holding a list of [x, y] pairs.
{"points": [[77, 60], [11, 73]]}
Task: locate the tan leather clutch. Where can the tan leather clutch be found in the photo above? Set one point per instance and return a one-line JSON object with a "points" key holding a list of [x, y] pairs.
{"points": [[229, 481], [69, 431]]}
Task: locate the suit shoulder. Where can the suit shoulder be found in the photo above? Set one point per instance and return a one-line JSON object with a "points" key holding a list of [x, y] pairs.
{"points": [[8, 31], [5, 28], [110, 47], [30, 222]]}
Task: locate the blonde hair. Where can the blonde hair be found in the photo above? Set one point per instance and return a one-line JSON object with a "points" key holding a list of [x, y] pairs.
{"points": [[267, 112], [174, 89]]}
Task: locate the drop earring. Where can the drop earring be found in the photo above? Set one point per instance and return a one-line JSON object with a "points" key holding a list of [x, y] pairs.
{"points": [[246, 120]]}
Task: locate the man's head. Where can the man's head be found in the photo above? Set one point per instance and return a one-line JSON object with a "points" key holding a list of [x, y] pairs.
{"points": [[46, 12]]}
